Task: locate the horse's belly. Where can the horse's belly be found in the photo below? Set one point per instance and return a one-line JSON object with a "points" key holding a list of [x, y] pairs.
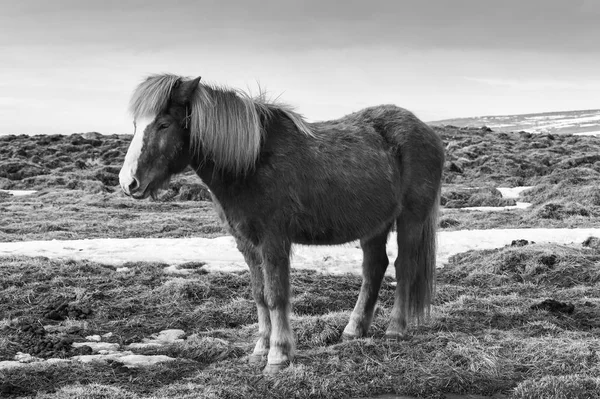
{"points": [[344, 221], [322, 237]]}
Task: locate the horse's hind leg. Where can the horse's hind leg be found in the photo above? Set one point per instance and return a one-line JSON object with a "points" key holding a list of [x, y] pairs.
{"points": [[254, 260], [375, 261]]}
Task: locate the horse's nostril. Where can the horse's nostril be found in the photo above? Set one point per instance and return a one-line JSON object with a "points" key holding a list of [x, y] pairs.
{"points": [[134, 185]]}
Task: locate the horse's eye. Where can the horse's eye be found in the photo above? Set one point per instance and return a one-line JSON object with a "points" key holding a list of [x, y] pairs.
{"points": [[163, 126]]}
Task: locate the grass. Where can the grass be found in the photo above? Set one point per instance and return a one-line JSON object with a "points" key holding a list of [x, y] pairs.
{"points": [[488, 332], [483, 337], [74, 214]]}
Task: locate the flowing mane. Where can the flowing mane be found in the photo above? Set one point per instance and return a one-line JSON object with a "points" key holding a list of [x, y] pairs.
{"points": [[224, 123]]}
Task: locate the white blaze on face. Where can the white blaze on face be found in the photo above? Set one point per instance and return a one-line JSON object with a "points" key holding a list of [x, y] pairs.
{"points": [[130, 165]]}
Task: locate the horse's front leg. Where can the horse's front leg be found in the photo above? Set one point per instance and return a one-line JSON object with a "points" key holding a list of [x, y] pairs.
{"points": [[254, 261], [276, 272]]}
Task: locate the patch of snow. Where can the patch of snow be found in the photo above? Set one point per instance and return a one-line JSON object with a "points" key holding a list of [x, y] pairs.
{"points": [[512, 192], [593, 133], [143, 360], [55, 360], [221, 254], [19, 193], [174, 269], [127, 358], [122, 269], [11, 364], [519, 205], [105, 351], [26, 358], [162, 338], [97, 346], [543, 117]]}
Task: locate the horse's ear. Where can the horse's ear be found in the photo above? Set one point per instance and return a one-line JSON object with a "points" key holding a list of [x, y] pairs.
{"points": [[184, 89]]}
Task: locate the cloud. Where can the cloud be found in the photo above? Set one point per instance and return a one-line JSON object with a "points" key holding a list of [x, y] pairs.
{"points": [[536, 25], [537, 84]]}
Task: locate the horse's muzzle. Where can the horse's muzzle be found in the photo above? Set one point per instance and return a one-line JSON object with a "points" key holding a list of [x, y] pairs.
{"points": [[129, 184]]}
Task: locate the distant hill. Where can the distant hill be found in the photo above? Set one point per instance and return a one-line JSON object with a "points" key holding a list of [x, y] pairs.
{"points": [[585, 122]]}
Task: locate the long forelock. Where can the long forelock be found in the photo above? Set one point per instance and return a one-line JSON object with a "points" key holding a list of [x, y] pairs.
{"points": [[152, 96], [226, 125]]}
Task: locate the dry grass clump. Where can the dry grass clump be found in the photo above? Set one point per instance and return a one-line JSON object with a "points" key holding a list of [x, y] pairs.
{"points": [[572, 386], [461, 197], [538, 264]]}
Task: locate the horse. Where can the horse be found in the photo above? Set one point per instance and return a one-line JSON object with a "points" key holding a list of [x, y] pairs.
{"points": [[277, 180]]}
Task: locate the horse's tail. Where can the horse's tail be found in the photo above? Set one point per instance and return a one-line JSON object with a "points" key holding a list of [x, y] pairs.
{"points": [[421, 158], [416, 262]]}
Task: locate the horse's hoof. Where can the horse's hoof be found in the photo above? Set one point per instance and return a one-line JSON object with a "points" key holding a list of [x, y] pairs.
{"points": [[256, 359], [349, 337], [272, 369], [397, 336]]}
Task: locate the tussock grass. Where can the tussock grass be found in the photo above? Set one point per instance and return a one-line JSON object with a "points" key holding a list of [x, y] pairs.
{"points": [[483, 335], [556, 265], [461, 197], [559, 387]]}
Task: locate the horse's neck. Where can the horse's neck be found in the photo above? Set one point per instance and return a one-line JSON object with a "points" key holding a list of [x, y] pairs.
{"points": [[216, 180]]}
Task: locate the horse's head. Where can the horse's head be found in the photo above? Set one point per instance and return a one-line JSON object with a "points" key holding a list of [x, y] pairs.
{"points": [[160, 146]]}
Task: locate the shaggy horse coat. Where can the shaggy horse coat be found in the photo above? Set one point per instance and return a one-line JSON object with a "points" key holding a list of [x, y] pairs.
{"points": [[277, 180]]}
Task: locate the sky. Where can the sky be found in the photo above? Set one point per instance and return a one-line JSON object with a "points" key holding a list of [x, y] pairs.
{"points": [[70, 65]]}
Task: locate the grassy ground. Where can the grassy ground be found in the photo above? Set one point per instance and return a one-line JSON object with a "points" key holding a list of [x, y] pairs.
{"points": [[483, 337], [486, 335], [75, 214]]}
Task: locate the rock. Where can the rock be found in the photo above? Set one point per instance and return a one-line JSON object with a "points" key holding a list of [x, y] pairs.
{"points": [[520, 243], [95, 338]]}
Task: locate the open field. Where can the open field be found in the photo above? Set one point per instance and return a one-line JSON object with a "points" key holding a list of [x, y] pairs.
{"points": [[78, 176], [521, 321]]}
